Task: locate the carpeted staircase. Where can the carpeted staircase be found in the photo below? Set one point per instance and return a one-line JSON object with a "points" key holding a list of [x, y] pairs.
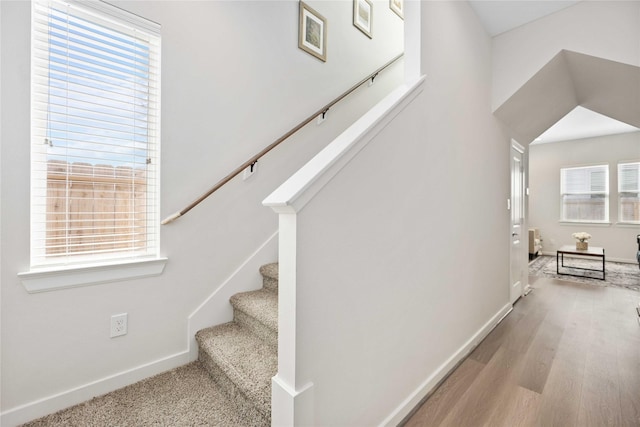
{"points": [[229, 386], [242, 356]]}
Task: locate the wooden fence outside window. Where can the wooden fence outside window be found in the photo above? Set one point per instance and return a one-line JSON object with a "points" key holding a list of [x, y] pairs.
{"points": [[95, 208]]}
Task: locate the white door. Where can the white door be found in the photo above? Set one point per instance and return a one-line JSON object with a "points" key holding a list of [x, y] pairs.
{"points": [[517, 256]]}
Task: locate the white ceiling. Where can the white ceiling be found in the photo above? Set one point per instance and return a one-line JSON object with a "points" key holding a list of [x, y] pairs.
{"points": [[583, 123], [499, 16]]}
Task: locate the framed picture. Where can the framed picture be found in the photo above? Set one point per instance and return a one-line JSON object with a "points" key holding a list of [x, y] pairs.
{"points": [[312, 36], [363, 15], [398, 7]]}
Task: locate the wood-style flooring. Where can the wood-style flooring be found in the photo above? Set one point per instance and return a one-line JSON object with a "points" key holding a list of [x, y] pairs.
{"points": [[567, 355]]}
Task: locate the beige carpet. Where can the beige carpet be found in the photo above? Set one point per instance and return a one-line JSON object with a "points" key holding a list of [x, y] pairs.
{"points": [[186, 396], [235, 359]]}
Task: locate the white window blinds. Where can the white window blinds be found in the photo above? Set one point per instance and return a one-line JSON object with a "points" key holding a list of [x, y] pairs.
{"points": [[629, 192], [585, 193], [95, 133]]}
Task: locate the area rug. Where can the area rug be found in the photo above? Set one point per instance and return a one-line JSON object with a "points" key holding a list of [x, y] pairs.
{"points": [[617, 274]]}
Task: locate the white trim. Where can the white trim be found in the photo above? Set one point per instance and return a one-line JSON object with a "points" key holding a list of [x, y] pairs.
{"points": [[590, 223], [295, 406], [516, 146], [117, 21], [431, 382], [565, 172], [115, 12], [65, 399], [298, 190], [49, 279], [627, 224], [287, 300]]}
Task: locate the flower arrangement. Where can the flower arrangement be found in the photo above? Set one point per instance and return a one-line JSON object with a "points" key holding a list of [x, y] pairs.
{"points": [[582, 240], [581, 236]]}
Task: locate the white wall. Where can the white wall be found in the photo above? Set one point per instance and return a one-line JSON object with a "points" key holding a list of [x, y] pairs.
{"points": [[233, 80], [0, 203], [545, 162], [403, 255], [606, 29]]}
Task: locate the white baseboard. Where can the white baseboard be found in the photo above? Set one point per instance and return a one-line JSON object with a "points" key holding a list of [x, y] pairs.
{"points": [[429, 384], [291, 407], [54, 403], [214, 310], [527, 289]]}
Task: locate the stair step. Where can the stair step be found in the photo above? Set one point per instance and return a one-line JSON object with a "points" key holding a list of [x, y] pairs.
{"points": [[270, 276], [242, 365], [258, 312]]}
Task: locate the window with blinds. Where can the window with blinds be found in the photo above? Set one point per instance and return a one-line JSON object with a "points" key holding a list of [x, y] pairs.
{"points": [[95, 127], [629, 192], [585, 193]]}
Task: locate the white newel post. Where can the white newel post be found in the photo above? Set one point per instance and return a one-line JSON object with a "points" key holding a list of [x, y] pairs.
{"points": [[290, 405]]}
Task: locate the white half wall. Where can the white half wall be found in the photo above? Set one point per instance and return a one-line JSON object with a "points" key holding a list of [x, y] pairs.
{"points": [[402, 258], [545, 162]]}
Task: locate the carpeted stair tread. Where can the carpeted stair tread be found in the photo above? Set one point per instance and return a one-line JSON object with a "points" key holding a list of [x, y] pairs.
{"points": [[246, 361], [270, 270], [270, 276], [261, 305]]}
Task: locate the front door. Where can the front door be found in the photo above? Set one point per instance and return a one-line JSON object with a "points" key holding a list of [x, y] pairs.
{"points": [[517, 255]]}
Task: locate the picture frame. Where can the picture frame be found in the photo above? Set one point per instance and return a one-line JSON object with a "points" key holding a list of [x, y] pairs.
{"points": [[363, 16], [312, 34], [398, 7]]}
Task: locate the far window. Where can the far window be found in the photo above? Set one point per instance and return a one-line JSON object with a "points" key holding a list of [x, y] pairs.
{"points": [[95, 134], [585, 193], [629, 192]]}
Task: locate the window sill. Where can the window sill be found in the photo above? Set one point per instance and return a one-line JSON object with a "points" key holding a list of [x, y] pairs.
{"points": [[50, 279], [590, 223], [628, 224]]}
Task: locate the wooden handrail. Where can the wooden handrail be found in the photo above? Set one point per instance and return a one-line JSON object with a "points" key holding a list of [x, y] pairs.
{"points": [[277, 142]]}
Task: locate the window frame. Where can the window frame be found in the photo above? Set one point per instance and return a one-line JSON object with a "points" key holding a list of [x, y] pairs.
{"points": [[605, 193], [130, 262], [622, 220]]}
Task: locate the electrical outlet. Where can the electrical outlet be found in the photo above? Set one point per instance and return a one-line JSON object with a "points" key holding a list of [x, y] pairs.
{"points": [[118, 325]]}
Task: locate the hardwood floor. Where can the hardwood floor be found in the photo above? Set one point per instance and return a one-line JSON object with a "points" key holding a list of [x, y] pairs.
{"points": [[567, 355]]}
